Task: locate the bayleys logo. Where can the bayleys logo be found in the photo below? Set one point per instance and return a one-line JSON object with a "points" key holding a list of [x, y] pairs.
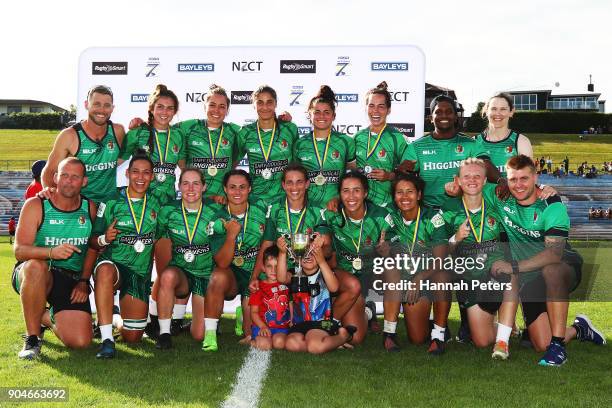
{"points": [[139, 97], [341, 66], [347, 97], [294, 97], [389, 66], [151, 67], [196, 67]]}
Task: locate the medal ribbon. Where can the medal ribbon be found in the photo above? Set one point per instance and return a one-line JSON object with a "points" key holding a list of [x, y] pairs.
{"points": [[162, 159], [244, 224], [316, 149], [137, 225], [266, 155], [370, 152], [358, 245], [215, 152], [416, 231], [300, 219], [467, 214], [191, 234]]}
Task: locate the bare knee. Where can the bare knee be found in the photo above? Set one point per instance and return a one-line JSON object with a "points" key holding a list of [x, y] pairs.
{"points": [[263, 343], [131, 336], [105, 274], [417, 338], [278, 342], [168, 279], [77, 342], [315, 348], [35, 270], [352, 286]]}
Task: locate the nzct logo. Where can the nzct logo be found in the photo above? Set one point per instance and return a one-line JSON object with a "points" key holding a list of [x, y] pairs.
{"points": [[347, 97], [246, 66], [389, 66], [109, 68], [139, 97], [196, 97], [151, 67], [347, 129], [196, 67], [296, 92], [298, 66], [241, 97], [342, 65], [399, 96]]}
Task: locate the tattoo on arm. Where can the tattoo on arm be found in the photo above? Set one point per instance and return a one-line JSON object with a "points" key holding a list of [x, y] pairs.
{"points": [[556, 244]]}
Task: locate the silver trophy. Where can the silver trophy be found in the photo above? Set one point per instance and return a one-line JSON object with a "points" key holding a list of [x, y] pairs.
{"points": [[299, 247]]}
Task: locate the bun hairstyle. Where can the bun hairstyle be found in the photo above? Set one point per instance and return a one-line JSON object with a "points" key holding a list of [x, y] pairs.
{"points": [[502, 95], [381, 89], [325, 95], [215, 89], [160, 91]]}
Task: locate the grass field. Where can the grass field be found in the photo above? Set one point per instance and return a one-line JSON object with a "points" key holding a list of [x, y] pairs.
{"points": [[30, 145], [366, 376]]}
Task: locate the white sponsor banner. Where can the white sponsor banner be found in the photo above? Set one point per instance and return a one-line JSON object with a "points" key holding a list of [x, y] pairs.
{"points": [[296, 73]]}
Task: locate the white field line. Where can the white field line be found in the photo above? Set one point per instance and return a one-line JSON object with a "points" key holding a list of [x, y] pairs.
{"points": [[249, 380]]}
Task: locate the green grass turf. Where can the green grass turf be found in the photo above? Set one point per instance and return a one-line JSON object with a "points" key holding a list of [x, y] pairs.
{"points": [[364, 377], [22, 146]]}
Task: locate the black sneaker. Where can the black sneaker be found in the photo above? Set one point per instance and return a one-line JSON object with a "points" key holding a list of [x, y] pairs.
{"points": [[31, 348], [152, 328], [178, 326], [107, 349], [463, 335], [164, 341], [390, 342]]}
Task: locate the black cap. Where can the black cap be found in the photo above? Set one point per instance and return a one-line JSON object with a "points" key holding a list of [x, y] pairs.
{"points": [[37, 168]]}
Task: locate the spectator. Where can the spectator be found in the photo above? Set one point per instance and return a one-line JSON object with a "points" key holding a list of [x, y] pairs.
{"points": [[608, 213], [566, 163], [12, 227], [549, 164], [561, 171], [591, 213], [598, 212], [35, 186], [542, 163]]}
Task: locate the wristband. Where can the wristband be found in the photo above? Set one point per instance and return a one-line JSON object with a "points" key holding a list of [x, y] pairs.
{"points": [[102, 240], [515, 267], [49, 256]]}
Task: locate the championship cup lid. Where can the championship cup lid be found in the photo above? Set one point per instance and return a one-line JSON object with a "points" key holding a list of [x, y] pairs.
{"points": [[37, 168]]}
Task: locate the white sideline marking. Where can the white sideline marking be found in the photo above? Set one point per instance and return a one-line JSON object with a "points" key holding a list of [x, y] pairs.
{"points": [[249, 380]]}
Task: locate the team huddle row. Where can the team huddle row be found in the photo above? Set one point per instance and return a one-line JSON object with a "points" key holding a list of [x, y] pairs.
{"points": [[445, 196]]}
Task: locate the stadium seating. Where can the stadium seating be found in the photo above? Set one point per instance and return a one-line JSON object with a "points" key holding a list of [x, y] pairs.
{"points": [[12, 188]]}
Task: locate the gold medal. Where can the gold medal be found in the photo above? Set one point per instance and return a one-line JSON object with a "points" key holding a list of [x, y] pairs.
{"points": [[238, 261], [357, 264], [320, 179]]}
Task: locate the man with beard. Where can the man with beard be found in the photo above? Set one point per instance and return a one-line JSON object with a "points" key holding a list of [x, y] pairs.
{"points": [[96, 141]]}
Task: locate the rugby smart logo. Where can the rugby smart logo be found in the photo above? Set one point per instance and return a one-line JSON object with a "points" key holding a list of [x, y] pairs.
{"points": [[109, 68], [241, 97], [406, 128], [389, 66], [196, 67], [151, 67], [341, 66], [298, 66], [296, 92], [139, 98]]}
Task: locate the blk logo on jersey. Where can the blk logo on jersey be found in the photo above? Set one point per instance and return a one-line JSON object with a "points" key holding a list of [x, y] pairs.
{"points": [[294, 97], [151, 67], [342, 65]]}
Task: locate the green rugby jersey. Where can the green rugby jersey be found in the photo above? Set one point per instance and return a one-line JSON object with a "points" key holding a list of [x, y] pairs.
{"points": [[65, 227], [100, 159], [199, 152], [250, 236], [501, 151], [454, 215], [277, 225], [384, 153], [527, 226], [340, 151], [346, 236], [121, 250], [171, 146], [281, 154], [437, 162], [171, 225]]}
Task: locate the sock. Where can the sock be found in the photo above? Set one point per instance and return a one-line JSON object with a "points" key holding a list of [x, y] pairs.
{"points": [[464, 317], [211, 324], [503, 333], [106, 332], [164, 326], [558, 340], [437, 332], [389, 327], [152, 307], [368, 313], [178, 312]]}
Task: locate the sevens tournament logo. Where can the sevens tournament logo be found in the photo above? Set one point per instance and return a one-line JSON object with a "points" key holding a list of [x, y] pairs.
{"points": [[341, 65], [296, 92], [151, 66]]}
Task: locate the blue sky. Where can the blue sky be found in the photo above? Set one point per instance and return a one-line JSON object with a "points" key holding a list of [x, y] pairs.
{"points": [[474, 47]]}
